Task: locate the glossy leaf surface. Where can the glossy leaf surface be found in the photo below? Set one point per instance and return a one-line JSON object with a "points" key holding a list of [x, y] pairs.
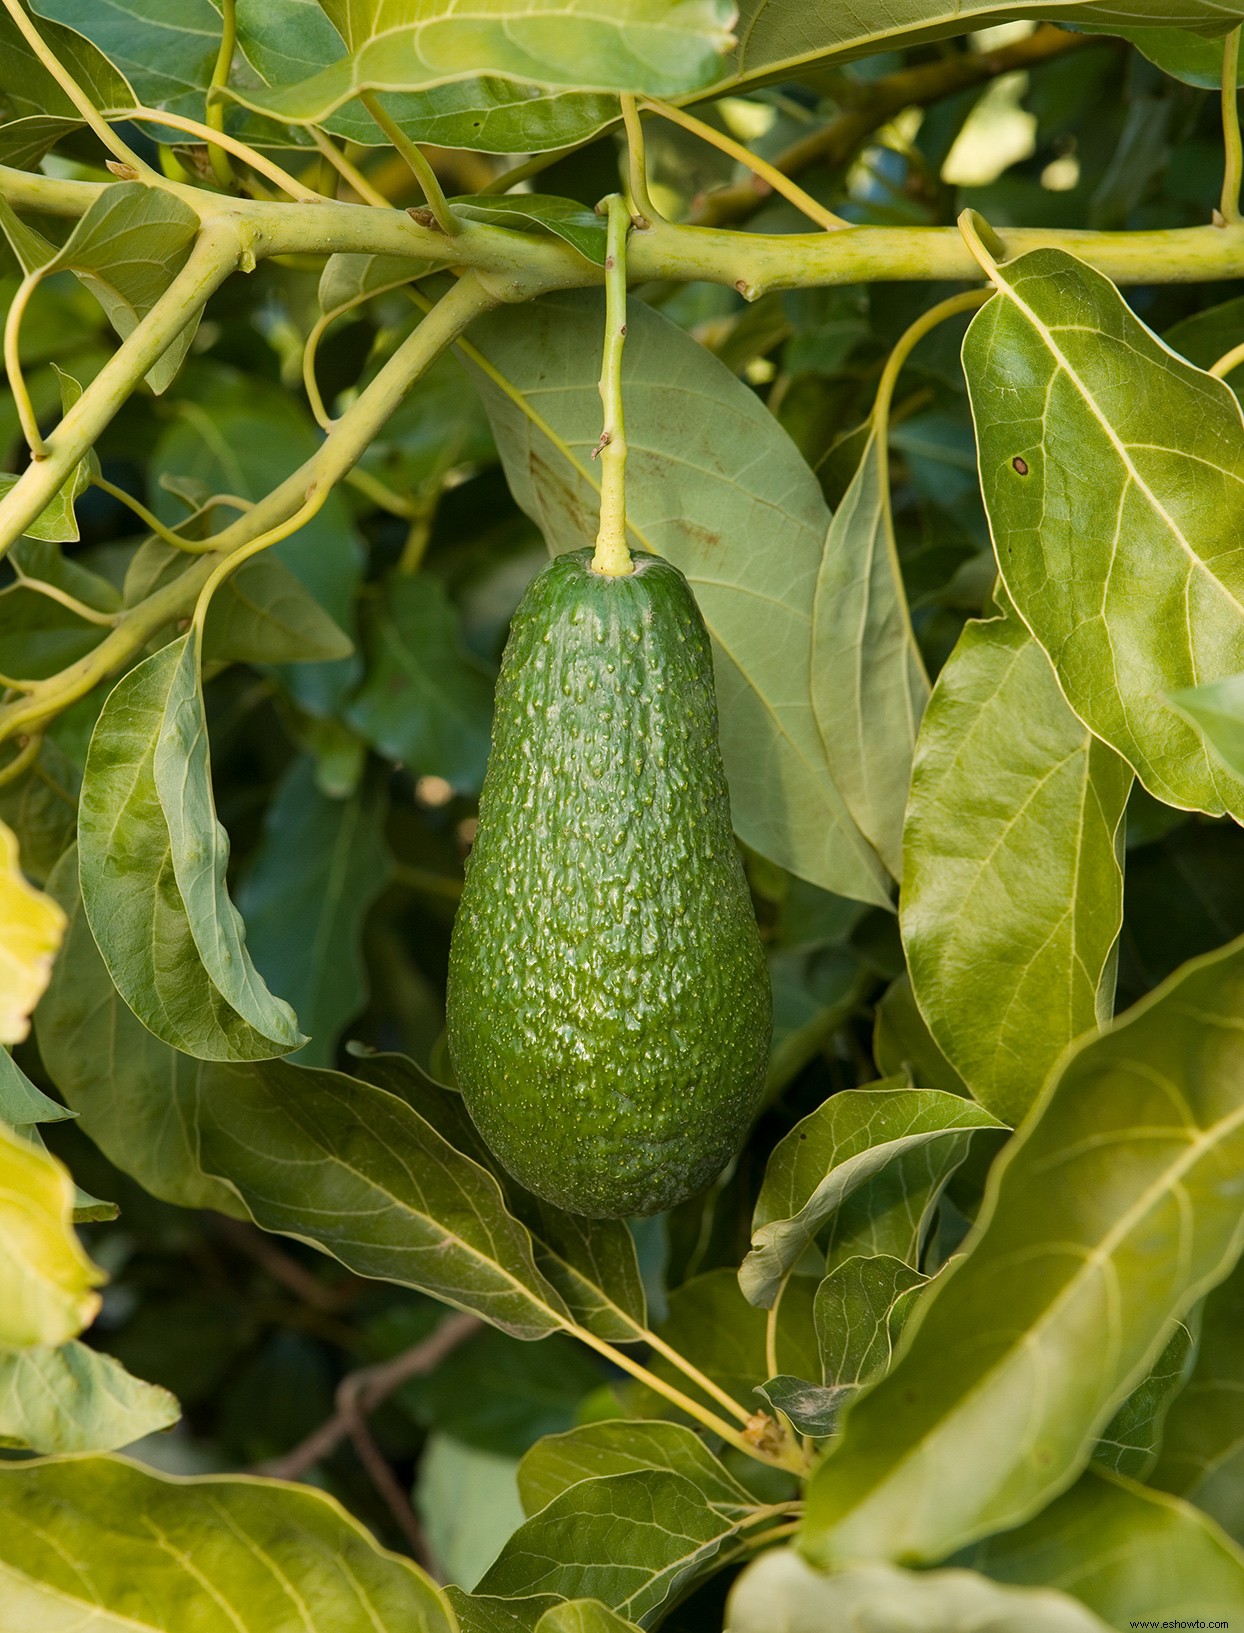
{"points": [[216, 1554], [1134, 1145], [1114, 536], [1013, 889]]}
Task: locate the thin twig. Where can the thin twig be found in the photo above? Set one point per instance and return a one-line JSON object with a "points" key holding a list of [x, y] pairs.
{"points": [[360, 1392], [284, 1268], [383, 1478], [1233, 153]]}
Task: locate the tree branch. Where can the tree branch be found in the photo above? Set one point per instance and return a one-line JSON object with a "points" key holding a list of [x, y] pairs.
{"points": [[361, 1391]]}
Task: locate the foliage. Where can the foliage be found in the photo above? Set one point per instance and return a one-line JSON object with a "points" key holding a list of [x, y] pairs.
{"points": [[928, 377]]}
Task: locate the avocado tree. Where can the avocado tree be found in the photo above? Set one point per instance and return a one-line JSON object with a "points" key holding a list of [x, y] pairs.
{"points": [[906, 335]]}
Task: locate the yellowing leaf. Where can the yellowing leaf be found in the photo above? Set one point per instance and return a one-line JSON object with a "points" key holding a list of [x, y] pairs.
{"points": [[31, 927], [46, 1280]]}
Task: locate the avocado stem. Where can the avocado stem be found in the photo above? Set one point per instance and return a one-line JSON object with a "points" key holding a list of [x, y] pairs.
{"points": [[612, 558]]}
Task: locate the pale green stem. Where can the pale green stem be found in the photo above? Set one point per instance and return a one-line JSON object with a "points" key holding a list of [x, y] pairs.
{"points": [[89, 615], [22, 760], [1233, 153], [151, 521], [771, 1327], [315, 501], [381, 494], [693, 1373], [348, 171], [213, 257], [527, 264], [90, 113], [217, 139], [637, 163], [1230, 360], [346, 443], [221, 167], [13, 365], [419, 166], [684, 1403], [761, 168], [612, 558]]}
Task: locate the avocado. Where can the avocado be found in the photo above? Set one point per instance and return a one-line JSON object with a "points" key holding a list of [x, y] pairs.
{"points": [[608, 1006]]}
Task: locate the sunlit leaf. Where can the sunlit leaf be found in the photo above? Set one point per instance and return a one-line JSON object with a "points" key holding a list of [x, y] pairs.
{"points": [[830, 1154], [626, 1446], [583, 1616], [1115, 535], [658, 47], [630, 1540], [859, 1312], [1139, 1141], [167, 1555], [46, 1280], [75, 1399], [31, 927], [1013, 893], [1126, 1552]]}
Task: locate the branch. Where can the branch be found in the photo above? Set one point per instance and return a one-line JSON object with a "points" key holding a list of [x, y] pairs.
{"points": [[215, 255], [362, 1391], [344, 445]]}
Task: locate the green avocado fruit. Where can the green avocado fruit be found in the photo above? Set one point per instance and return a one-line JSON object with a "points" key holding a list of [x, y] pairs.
{"points": [[608, 1009]]}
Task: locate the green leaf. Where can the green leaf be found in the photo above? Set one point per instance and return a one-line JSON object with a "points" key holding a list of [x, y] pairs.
{"points": [[1134, 1144], [1130, 1442], [1202, 1456], [57, 523], [1014, 846], [777, 42], [1217, 711], [1115, 546], [903, 1044], [46, 1281], [354, 1170], [583, 1616], [287, 41], [479, 1613], [425, 702], [41, 808], [152, 862], [319, 867], [29, 89], [781, 1590], [859, 1312], [31, 248], [1179, 52], [1126, 1552], [717, 487], [165, 48], [264, 614], [166, 1555], [74, 1399], [891, 1213], [20, 1101], [813, 1409], [630, 1540], [136, 1096], [626, 1446], [348, 279], [128, 247], [869, 687], [575, 224], [653, 47], [830, 1154]]}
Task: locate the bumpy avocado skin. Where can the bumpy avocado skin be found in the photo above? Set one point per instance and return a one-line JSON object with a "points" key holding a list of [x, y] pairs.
{"points": [[609, 1007]]}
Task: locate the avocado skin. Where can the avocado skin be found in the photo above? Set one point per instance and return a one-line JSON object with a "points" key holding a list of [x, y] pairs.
{"points": [[608, 1007]]}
